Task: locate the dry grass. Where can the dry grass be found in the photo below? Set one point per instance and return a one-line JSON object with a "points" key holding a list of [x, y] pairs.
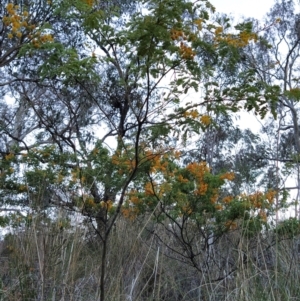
{"points": [[48, 261]]}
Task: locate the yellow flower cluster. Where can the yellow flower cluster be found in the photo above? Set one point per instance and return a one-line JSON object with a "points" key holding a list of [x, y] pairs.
{"points": [[231, 225], [199, 22], [262, 200], [19, 24], [227, 176], [218, 30], [244, 39], [17, 21], [41, 39], [181, 179], [158, 164], [192, 113], [89, 2], [130, 212], [187, 209], [125, 164], [199, 170], [107, 205], [180, 35], [215, 197], [205, 119], [177, 34], [149, 188], [270, 196], [227, 199], [23, 188], [240, 40], [135, 200], [9, 156], [186, 52], [257, 199], [218, 207], [263, 215], [89, 202]]}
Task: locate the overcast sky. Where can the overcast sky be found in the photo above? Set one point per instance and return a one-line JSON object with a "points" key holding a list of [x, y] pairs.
{"points": [[246, 8]]}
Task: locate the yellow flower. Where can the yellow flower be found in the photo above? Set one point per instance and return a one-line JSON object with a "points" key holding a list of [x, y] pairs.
{"points": [[219, 207], [106, 205], [9, 6], [231, 225], [134, 200], [199, 22], [22, 188], [263, 216], [227, 176], [149, 189], [194, 114], [214, 198], [90, 202], [9, 156], [218, 30], [205, 119], [270, 196], [227, 199], [182, 179]]}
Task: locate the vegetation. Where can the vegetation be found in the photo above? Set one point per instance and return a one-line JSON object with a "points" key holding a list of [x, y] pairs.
{"points": [[116, 183]]}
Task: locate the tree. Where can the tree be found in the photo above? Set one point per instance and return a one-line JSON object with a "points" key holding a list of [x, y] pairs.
{"points": [[274, 62], [119, 82]]}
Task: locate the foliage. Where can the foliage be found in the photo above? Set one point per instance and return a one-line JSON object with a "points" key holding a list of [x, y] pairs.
{"points": [[99, 119], [289, 228]]}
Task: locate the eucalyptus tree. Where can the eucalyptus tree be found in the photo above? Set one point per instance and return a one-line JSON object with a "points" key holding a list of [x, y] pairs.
{"points": [[274, 64]]}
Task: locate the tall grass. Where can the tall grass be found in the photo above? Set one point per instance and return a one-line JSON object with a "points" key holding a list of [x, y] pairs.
{"points": [[52, 260]]}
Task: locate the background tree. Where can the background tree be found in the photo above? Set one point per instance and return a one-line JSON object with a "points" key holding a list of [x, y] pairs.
{"points": [[274, 62]]}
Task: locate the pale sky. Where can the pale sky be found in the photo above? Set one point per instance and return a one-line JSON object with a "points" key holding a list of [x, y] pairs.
{"points": [[246, 8]]}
